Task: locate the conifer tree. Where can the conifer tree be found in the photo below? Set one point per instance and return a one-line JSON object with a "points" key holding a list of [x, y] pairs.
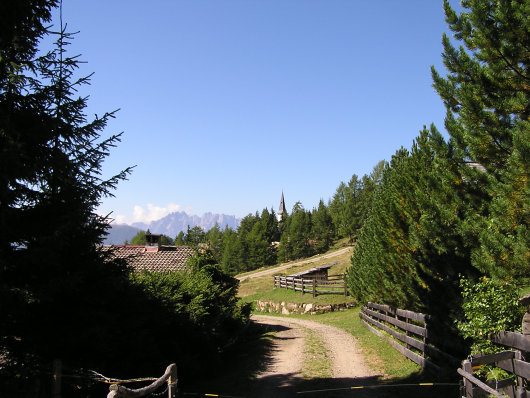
{"points": [[51, 157], [322, 230], [299, 232], [487, 96], [231, 256]]}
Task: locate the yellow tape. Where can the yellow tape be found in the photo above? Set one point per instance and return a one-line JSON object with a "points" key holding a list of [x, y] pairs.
{"points": [[356, 388], [211, 395], [426, 384]]}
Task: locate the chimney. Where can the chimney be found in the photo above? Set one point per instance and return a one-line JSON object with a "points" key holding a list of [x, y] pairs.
{"points": [[152, 242]]}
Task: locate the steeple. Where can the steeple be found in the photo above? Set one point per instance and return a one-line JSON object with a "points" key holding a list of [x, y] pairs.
{"points": [[281, 210]]}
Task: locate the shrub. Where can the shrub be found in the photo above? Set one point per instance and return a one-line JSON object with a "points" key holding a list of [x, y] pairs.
{"points": [[489, 307]]}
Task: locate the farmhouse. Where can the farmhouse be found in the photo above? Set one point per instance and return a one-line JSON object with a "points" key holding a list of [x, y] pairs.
{"points": [[154, 257]]}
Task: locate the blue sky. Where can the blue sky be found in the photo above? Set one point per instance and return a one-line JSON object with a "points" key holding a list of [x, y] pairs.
{"points": [[226, 103]]}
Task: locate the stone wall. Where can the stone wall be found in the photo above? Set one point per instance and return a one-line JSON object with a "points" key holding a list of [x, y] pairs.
{"points": [[294, 308]]}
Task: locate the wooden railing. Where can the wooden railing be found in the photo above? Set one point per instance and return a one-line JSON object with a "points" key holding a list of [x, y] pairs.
{"points": [[313, 286], [511, 361], [169, 377], [407, 332]]}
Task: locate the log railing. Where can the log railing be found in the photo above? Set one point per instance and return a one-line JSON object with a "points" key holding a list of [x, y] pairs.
{"points": [[511, 361], [169, 377], [407, 332], [313, 286]]}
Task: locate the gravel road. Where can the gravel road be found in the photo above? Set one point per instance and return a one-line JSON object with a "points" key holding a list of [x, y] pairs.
{"points": [[283, 377]]}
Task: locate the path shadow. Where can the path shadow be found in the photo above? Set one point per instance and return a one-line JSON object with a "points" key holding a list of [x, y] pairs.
{"points": [[254, 353]]}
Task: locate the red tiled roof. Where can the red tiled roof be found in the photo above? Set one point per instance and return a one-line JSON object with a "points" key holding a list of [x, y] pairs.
{"points": [[166, 258]]}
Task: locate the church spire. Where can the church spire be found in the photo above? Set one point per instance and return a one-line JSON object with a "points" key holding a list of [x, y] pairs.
{"points": [[281, 210]]}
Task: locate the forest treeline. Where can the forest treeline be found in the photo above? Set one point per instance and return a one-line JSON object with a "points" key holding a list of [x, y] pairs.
{"points": [[264, 239]]}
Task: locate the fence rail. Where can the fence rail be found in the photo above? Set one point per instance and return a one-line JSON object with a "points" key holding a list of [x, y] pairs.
{"points": [[313, 286], [510, 361], [407, 332], [169, 377]]}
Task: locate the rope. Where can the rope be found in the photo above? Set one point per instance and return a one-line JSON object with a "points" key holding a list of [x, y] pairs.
{"points": [[103, 379]]}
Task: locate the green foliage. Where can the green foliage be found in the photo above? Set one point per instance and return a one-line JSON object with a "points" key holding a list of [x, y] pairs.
{"points": [[179, 239], [409, 252], [202, 303], [57, 288], [462, 207], [140, 240], [194, 236], [322, 229], [351, 202], [489, 307], [231, 252], [214, 238], [486, 94], [299, 232]]}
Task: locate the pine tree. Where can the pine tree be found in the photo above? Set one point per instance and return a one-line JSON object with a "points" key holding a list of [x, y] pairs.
{"points": [[322, 230], [51, 157], [179, 239], [487, 96], [299, 232], [231, 257]]}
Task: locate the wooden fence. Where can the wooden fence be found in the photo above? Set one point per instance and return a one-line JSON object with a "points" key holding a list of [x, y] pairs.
{"points": [[511, 361], [313, 286], [407, 332], [169, 377]]}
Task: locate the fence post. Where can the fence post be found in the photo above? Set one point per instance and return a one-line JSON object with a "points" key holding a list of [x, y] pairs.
{"points": [[467, 384], [407, 333], [172, 382], [314, 288], [303, 286], [345, 287], [57, 378]]}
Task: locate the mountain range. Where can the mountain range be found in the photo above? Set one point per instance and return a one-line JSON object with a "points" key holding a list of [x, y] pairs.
{"points": [[169, 225]]}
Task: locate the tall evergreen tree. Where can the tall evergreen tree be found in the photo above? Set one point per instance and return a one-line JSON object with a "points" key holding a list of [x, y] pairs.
{"points": [[487, 96], [300, 231], [194, 236], [322, 230], [50, 186], [231, 257]]}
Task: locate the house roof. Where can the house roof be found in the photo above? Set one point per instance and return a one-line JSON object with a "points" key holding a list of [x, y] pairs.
{"points": [[161, 259], [315, 269]]}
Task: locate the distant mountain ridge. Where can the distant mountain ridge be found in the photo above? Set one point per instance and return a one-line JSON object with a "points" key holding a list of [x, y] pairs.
{"points": [[170, 225]]}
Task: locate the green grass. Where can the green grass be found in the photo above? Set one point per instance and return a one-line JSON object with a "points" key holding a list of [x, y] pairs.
{"points": [[261, 285], [316, 363]]}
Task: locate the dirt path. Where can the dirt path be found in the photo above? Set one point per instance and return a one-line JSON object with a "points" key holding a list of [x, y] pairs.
{"points": [[283, 376], [282, 267]]}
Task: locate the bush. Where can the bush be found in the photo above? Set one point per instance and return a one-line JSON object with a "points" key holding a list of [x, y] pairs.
{"points": [[489, 307], [198, 311]]}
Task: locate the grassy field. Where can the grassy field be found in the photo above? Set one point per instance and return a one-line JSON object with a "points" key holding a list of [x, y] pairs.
{"points": [[253, 288]]}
